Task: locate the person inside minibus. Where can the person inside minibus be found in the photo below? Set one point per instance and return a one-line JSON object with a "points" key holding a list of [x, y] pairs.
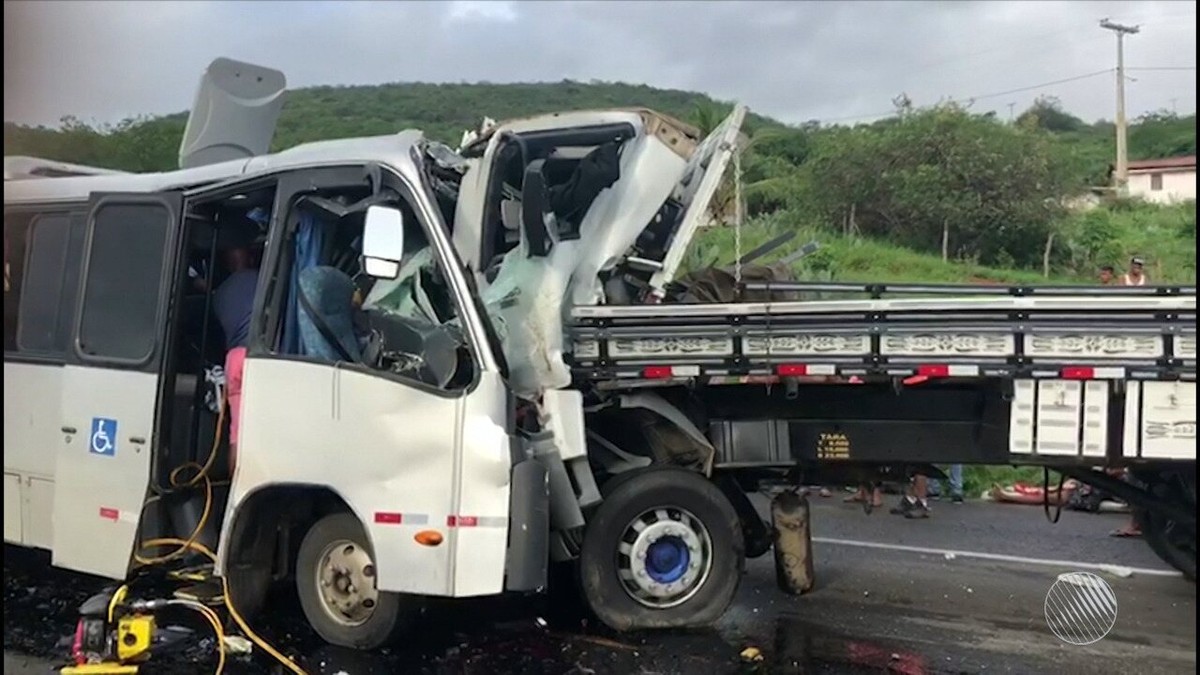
{"points": [[233, 305]]}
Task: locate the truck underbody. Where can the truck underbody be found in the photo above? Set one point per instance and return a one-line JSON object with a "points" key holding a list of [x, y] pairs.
{"points": [[856, 391]]}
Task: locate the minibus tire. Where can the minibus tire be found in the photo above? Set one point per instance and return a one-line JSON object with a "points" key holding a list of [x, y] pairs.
{"points": [[688, 497], [392, 613]]}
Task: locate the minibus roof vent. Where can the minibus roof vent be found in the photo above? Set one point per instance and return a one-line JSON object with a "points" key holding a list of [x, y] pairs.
{"points": [[234, 115]]}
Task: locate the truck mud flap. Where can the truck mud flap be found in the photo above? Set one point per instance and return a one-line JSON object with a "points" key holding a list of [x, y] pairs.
{"points": [[529, 527]]}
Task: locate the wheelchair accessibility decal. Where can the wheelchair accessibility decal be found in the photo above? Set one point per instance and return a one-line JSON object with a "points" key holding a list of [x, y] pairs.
{"points": [[104, 437]]}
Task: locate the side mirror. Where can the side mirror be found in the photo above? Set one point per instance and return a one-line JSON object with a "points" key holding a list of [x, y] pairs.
{"points": [[383, 242]]}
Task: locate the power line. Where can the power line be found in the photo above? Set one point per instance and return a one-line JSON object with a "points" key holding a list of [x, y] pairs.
{"points": [[1038, 86], [929, 65], [1008, 46], [963, 57], [852, 118], [918, 70], [979, 97]]}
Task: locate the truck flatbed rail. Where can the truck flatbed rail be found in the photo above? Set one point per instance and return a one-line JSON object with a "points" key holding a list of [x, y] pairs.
{"points": [[1120, 333], [878, 290]]}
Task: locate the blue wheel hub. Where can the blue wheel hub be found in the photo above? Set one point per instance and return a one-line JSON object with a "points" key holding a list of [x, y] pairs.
{"points": [[667, 560], [663, 557]]}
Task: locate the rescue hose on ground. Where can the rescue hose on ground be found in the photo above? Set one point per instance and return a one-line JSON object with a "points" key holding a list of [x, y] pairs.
{"points": [[214, 621], [233, 613], [209, 616], [200, 475], [192, 545]]}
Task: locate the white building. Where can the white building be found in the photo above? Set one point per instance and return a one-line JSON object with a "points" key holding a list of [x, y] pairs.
{"points": [[1163, 181]]}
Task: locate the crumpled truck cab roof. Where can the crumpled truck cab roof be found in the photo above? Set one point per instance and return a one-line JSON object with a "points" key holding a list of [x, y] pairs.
{"points": [[618, 196], [674, 133]]}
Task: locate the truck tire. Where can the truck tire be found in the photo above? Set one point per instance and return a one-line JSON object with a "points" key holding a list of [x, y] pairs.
{"points": [[1173, 542], [1160, 535], [335, 579], [663, 550]]}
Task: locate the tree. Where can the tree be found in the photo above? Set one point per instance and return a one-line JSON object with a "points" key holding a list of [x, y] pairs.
{"points": [[706, 116], [938, 180], [942, 180], [1047, 113]]}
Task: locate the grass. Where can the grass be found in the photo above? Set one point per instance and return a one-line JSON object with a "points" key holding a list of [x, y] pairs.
{"points": [[977, 479], [1165, 236], [851, 259]]}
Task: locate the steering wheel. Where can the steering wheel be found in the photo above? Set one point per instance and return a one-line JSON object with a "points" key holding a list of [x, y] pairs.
{"points": [[427, 350]]}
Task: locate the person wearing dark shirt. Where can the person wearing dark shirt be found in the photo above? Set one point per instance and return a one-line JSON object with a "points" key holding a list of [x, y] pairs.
{"points": [[233, 303]]}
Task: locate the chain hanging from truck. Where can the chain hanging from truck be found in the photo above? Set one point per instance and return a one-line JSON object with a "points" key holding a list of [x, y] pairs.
{"points": [[737, 219]]}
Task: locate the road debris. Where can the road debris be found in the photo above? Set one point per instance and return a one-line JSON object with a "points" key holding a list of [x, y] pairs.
{"points": [[236, 644], [1119, 571], [752, 654]]}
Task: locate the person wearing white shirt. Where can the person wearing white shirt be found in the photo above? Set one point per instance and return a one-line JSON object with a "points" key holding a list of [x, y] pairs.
{"points": [[1136, 276]]}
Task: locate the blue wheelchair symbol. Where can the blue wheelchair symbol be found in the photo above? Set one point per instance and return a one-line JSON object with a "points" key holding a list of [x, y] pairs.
{"points": [[104, 437]]}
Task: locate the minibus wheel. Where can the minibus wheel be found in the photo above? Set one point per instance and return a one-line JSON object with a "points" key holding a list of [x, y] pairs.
{"points": [[663, 550], [335, 579]]}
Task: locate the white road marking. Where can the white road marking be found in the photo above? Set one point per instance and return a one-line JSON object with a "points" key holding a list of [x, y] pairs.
{"points": [[1068, 564]]}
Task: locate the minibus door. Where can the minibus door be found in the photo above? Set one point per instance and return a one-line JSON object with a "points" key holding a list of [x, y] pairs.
{"points": [[111, 380]]}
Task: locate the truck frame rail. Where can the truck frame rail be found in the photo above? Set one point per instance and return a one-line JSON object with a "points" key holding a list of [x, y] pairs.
{"points": [[1136, 333]]}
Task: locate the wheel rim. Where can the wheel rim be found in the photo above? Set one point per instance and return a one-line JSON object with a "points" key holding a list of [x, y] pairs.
{"points": [[345, 579], [664, 557]]}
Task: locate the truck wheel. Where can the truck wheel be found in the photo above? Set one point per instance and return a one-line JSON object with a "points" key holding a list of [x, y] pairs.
{"points": [[1172, 541], [335, 579], [663, 550]]}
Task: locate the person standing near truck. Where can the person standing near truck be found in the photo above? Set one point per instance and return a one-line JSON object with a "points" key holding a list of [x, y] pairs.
{"points": [[1136, 276], [955, 481], [914, 503]]}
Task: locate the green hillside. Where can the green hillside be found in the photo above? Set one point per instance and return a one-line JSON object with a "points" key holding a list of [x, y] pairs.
{"points": [[936, 194], [442, 111]]}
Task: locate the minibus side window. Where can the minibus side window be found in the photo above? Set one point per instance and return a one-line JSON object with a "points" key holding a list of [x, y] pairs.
{"points": [[38, 328], [407, 327], [124, 272], [15, 229]]}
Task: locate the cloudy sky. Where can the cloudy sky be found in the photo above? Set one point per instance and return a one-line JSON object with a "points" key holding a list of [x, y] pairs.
{"points": [[796, 61]]}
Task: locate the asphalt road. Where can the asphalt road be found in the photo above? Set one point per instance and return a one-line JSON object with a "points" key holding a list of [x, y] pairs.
{"points": [[892, 595]]}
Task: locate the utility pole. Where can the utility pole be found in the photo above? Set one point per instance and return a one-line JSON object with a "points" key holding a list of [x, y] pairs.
{"points": [[1010, 111], [1122, 172]]}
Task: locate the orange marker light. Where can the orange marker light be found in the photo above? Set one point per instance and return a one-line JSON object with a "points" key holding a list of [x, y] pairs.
{"points": [[428, 537]]}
